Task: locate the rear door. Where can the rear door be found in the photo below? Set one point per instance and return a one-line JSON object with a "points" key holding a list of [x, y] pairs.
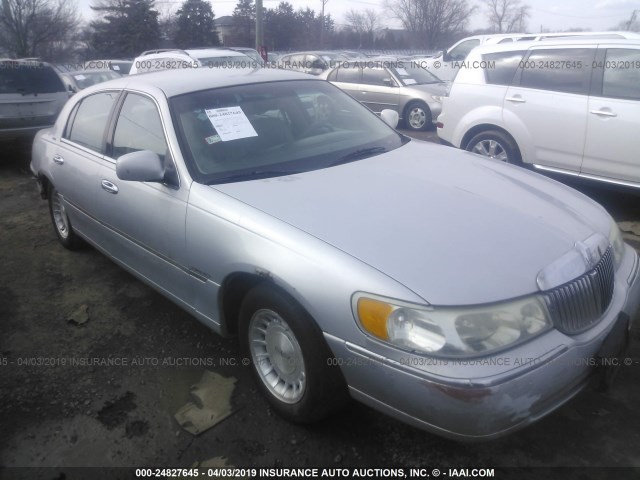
{"points": [[613, 120], [77, 159], [347, 78], [378, 89], [548, 103]]}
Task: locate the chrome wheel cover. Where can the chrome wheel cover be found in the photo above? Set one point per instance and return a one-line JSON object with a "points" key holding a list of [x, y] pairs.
{"points": [[491, 149], [60, 219], [277, 356], [417, 118]]}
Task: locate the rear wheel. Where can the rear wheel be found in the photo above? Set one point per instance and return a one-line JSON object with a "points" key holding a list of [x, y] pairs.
{"points": [[417, 116], [61, 223], [289, 357], [497, 145]]}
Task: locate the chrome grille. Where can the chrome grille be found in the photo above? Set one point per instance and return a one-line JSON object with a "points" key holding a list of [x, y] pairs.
{"points": [[580, 304]]}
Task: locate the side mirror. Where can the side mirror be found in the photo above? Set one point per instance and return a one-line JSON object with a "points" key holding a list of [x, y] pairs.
{"points": [[390, 117], [446, 57], [141, 166], [388, 82]]}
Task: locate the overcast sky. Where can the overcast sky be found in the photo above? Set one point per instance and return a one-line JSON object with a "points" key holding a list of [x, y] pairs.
{"points": [[550, 14]]}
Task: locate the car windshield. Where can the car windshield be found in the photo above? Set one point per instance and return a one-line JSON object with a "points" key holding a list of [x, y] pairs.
{"points": [[410, 74], [272, 129], [29, 78]]}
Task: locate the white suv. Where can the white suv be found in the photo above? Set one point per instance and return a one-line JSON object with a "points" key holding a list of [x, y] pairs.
{"points": [[567, 106], [174, 59], [446, 64]]}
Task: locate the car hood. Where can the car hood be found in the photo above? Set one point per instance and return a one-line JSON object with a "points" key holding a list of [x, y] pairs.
{"points": [[453, 227]]}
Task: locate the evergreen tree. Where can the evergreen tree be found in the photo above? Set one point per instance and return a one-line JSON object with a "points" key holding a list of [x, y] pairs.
{"points": [[244, 21], [196, 25], [127, 28]]}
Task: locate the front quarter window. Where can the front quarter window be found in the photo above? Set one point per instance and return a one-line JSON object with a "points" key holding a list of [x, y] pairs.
{"points": [[139, 128]]}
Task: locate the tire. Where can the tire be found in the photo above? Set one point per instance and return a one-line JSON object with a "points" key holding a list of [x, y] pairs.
{"points": [[497, 145], [289, 357], [417, 116], [61, 223]]}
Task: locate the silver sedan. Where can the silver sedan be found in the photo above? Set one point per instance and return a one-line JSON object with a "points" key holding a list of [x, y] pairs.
{"points": [[272, 206], [400, 85]]}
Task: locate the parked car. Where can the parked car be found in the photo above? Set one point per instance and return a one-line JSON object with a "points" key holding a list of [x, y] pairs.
{"points": [[567, 106], [313, 63], [31, 96], [326, 243], [381, 84], [76, 81], [174, 59], [252, 53], [446, 64], [119, 66]]}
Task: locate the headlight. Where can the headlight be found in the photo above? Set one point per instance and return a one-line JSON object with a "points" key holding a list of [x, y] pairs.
{"points": [[616, 241], [449, 331]]}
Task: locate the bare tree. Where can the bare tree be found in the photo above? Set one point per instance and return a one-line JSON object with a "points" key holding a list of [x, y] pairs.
{"points": [[31, 27], [507, 16], [364, 23], [433, 23]]}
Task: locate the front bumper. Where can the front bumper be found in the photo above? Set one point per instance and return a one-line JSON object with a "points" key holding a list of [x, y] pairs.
{"points": [[487, 397]]}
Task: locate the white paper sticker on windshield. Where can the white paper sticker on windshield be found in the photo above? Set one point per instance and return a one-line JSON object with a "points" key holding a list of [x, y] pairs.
{"points": [[402, 72], [79, 77], [116, 67], [231, 123], [409, 81]]}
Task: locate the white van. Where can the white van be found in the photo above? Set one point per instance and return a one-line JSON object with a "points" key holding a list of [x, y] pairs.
{"points": [[446, 64]]}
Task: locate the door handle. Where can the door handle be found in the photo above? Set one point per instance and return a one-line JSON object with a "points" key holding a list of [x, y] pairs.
{"points": [[517, 99], [603, 113], [58, 159], [109, 187]]}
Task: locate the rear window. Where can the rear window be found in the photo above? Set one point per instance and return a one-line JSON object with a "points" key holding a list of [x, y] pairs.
{"points": [[501, 67], [25, 79]]}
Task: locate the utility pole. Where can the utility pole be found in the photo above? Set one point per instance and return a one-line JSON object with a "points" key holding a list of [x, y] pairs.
{"points": [[259, 25], [632, 19], [324, 2]]}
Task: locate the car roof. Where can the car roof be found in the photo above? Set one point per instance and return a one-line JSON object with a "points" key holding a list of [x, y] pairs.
{"points": [[191, 53], [573, 41], [178, 82]]}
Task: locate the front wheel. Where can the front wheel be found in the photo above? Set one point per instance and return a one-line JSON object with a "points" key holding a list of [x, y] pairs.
{"points": [[61, 223], [497, 145], [289, 356], [417, 116]]}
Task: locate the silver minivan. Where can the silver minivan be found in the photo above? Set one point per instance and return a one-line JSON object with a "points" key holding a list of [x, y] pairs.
{"points": [[31, 96]]}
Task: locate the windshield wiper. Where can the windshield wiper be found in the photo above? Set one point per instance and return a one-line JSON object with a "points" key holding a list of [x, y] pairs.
{"points": [[359, 154], [252, 175]]}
